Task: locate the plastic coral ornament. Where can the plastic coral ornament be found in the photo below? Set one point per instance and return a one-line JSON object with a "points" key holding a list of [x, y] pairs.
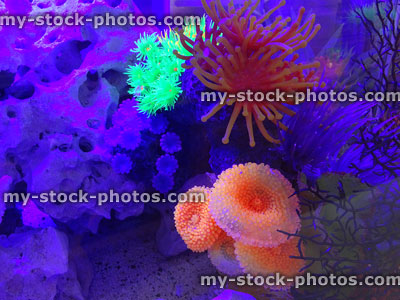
{"points": [[266, 261], [223, 257], [146, 46], [170, 39], [194, 222], [237, 53], [252, 202], [155, 79]]}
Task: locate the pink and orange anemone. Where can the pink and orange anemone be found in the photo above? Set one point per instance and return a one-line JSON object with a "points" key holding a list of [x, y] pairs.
{"points": [[266, 261], [238, 53], [194, 222], [223, 257], [252, 202]]}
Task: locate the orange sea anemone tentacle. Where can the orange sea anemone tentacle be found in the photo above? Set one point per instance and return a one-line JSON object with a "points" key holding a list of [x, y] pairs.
{"points": [[239, 53]]}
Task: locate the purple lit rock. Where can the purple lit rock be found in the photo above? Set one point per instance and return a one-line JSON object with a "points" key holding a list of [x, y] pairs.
{"points": [[66, 172], [28, 258], [33, 217], [22, 89], [5, 183], [40, 265], [67, 148]]}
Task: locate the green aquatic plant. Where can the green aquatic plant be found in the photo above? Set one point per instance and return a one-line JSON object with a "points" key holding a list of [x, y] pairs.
{"points": [[349, 228]]}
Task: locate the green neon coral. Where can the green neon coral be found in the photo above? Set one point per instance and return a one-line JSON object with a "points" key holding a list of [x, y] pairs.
{"points": [[155, 79], [146, 46], [170, 40]]}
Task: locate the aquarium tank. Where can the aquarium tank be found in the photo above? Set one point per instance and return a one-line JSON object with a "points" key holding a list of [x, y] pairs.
{"points": [[199, 149]]}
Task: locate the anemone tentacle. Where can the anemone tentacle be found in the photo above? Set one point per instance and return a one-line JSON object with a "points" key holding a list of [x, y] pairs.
{"points": [[238, 53]]}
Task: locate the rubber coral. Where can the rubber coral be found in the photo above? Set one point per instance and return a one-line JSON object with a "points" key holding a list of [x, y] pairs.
{"points": [[146, 46], [129, 139], [122, 163], [127, 116], [194, 222], [223, 257], [163, 182], [155, 79], [266, 261], [158, 124], [167, 164], [127, 125], [251, 202], [170, 142], [237, 53], [171, 39]]}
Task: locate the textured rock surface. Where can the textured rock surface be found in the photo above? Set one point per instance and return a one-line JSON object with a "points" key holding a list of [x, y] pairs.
{"points": [[5, 183], [76, 73], [31, 264]]}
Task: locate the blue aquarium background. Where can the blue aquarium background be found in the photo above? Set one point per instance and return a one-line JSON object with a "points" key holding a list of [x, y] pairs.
{"points": [[117, 109]]}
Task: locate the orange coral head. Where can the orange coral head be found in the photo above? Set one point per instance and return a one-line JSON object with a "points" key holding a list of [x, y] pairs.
{"points": [[266, 261], [239, 54], [251, 202], [194, 222], [222, 255]]}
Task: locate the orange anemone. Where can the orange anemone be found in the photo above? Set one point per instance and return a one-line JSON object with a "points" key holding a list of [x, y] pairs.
{"points": [[251, 202], [238, 53], [222, 256], [266, 261], [194, 222]]}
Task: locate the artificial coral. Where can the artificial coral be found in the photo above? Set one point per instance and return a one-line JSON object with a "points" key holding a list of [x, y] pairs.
{"points": [[223, 257], [270, 260], [122, 163], [170, 142], [251, 202], [237, 53], [155, 79], [239, 223], [194, 221], [381, 21], [163, 182], [167, 164], [318, 133]]}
